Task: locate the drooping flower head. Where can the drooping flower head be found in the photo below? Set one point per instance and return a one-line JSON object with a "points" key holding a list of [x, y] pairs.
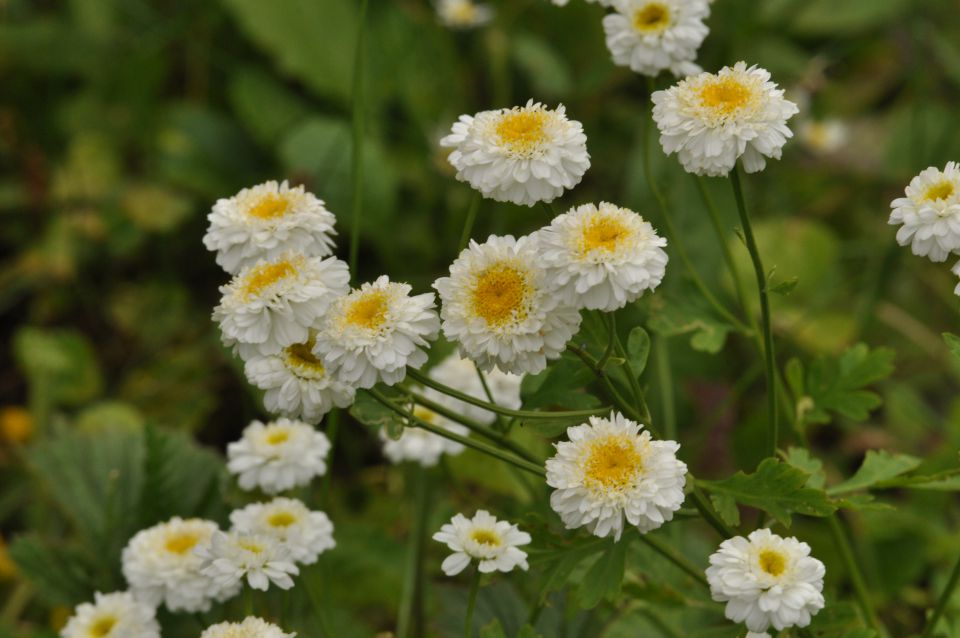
{"points": [[421, 446], [712, 120], [265, 221], [500, 307], [306, 533], [524, 155], [609, 474], [493, 544], [602, 257], [278, 456], [767, 581], [461, 374], [232, 557], [651, 36], [929, 214], [463, 14], [117, 615], [375, 332], [250, 628]]}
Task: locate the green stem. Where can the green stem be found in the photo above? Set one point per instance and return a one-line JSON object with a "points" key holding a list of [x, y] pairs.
{"points": [[247, 599], [676, 558], [469, 221], [333, 430], [621, 403], [611, 334], [411, 598], [463, 440], [357, 150], [631, 377], [856, 576], [773, 414], [502, 425], [942, 602], [312, 578], [662, 354], [471, 605], [706, 509]]}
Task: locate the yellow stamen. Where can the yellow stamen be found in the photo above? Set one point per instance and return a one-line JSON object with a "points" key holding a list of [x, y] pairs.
{"points": [[522, 130], [424, 414], [251, 546], [278, 436], [270, 206], [499, 295], [282, 519], [601, 233], [103, 626], [181, 542], [772, 562], [369, 310], [725, 95], [485, 537], [613, 463], [653, 18], [942, 190], [300, 357], [265, 275]]}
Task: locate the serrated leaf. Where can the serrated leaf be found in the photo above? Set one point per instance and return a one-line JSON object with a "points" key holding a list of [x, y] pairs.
{"points": [[679, 316], [776, 488], [726, 507], [605, 577], [374, 414], [835, 384], [801, 459], [877, 466]]}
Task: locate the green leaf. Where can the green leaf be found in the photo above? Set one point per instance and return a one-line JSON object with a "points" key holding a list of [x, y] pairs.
{"points": [[953, 342], [776, 488], [563, 563], [785, 287], [59, 363], [831, 18], [638, 349], [605, 577], [727, 508], [877, 466], [374, 414], [801, 459], [679, 316], [529, 632], [546, 71], [266, 107], [60, 573], [493, 629]]}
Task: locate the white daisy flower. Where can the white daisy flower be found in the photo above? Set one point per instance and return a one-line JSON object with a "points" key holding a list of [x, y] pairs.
{"points": [[463, 14], [278, 455], [501, 308], [929, 215], [161, 567], [650, 36], [306, 533], [767, 581], [266, 221], [272, 304], [602, 257], [375, 332], [420, 446], [524, 155], [563, 3], [117, 615], [250, 628], [493, 544], [296, 384], [231, 557], [711, 120], [823, 136], [461, 374], [609, 471]]}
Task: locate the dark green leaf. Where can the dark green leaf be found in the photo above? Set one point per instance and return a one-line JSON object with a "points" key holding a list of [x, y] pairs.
{"points": [[604, 578], [638, 349]]}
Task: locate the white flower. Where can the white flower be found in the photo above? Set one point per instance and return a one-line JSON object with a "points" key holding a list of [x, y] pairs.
{"points": [[610, 471], [563, 3], [306, 533], [930, 213], [266, 221], [492, 543], [463, 14], [711, 120], [650, 36], [278, 456], [296, 384], [602, 258], [375, 332], [117, 615], [823, 136], [160, 566], [250, 628], [461, 374], [501, 308], [272, 304], [956, 271], [420, 446], [524, 155], [231, 557], [767, 581]]}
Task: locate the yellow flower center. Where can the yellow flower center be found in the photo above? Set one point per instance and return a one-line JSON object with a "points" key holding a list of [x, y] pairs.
{"points": [[181, 542], [499, 295], [725, 95], [424, 414], [251, 546], [281, 519], [653, 18], [270, 206], [278, 436], [522, 130], [102, 626], [772, 562], [369, 310], [613, 463], [941, 190], [300, 357], [463, 12], [485, 537], [602, 233], [265, 275]]}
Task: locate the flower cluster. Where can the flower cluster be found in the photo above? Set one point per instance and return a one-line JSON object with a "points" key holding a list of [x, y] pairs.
{"points": [[251, 627]]}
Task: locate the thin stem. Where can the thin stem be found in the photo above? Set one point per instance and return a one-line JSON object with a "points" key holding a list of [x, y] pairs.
{"points": [[856, 576], [611, 334], [247, 599], [471, 605], [411, 598], [662, 354], [312, 578], [463, 440], [604, 378], [631, 377], [942, 602], [773, 415], [333, 430], [357, 151], [706, 509], [469, 221], [675, 557]]}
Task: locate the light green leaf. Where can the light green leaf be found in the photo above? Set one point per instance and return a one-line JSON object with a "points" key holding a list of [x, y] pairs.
{"points": [[878, 466], [266, 107], [60, 574], [679, 316], [547, 71], [801, 459], [562, 564], [604, 578], [953, 342], [638, 349], [727, 508], [836, 384], [59, 363]]}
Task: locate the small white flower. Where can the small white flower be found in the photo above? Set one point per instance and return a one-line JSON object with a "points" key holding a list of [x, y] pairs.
{"points": [[650, 36], [767, 581], [117, 615], [160, 566], [296, 384], [712, 120], [272, 304], [930, 213], [420, 446], [501, 308], [250, 628], [375, 332], [492, 543], [823, 136], [266, 221], [609, 471], [278, 456], [605, 3], [306, 533], [463, 14], [602, 258], [461, 374], [524, 155], [231, 557]]}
